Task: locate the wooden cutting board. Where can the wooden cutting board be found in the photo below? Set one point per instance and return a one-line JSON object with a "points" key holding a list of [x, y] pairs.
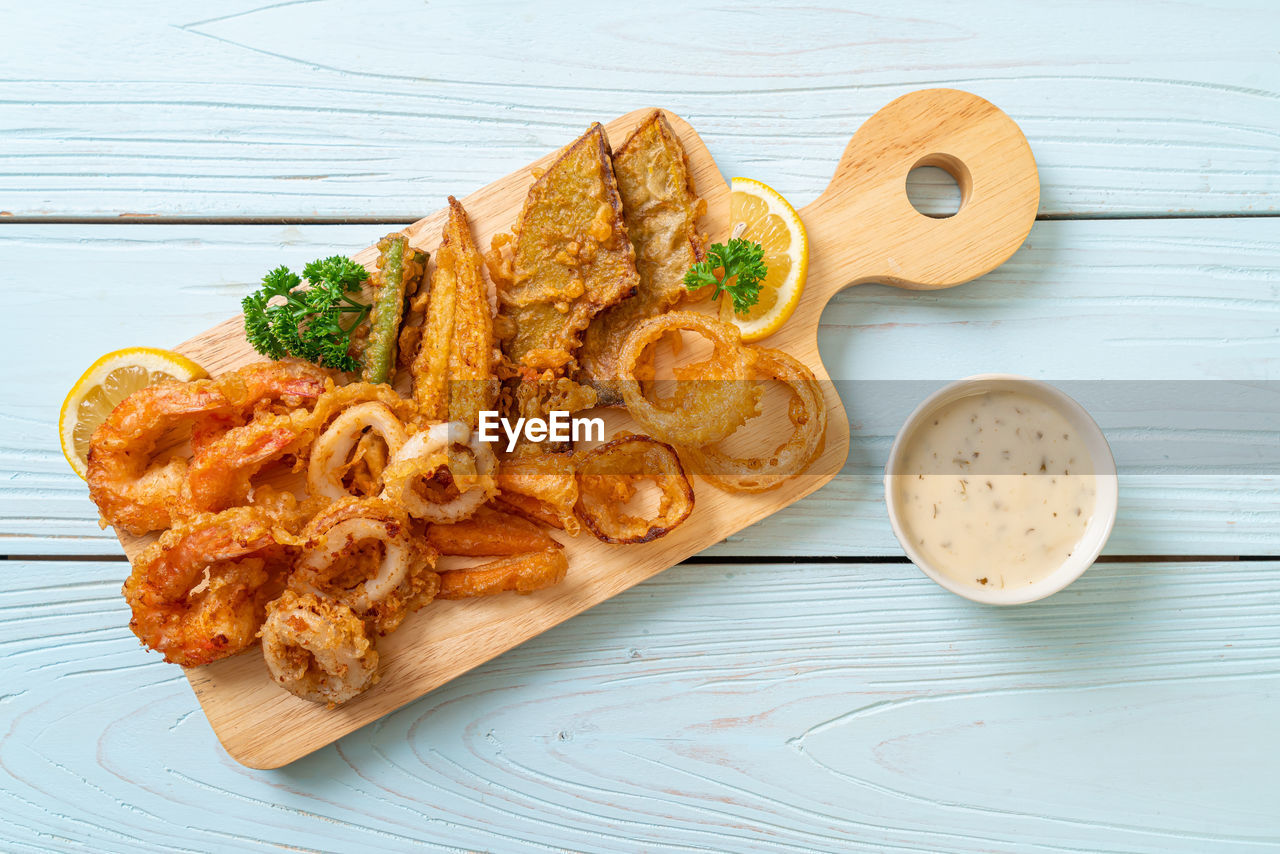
{"points": [[861, 229]]}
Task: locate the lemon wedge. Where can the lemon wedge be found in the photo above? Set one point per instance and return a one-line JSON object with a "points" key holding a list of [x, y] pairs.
{"points": [[763, 216], [107, 382]]}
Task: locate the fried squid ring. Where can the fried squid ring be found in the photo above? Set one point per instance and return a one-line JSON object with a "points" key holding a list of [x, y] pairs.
{"points": [[198, 593], [318, 649], [359, 552], [331, 451], [131, 490], [711, 399], [607, 479], [452, 447], [519, 573], [333, 402], [808, 414]]}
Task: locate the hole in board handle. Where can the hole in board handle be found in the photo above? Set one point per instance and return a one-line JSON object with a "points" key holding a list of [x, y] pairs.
{"points": [[938, 186]]}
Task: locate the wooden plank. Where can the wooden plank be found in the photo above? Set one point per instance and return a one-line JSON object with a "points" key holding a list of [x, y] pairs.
{"points": [[1167, 301], [750, 708], [334, 108]]}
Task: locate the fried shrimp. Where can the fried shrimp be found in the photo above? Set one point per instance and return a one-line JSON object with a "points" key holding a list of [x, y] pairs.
{"points": [[331, 454], [358, 552], [279, 388], [221, 474], [289, 384], [133, 492], [318, 649], [198, 593], [441, 474]]}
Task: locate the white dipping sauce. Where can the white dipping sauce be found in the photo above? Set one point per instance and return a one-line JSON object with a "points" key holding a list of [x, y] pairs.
{"points": [[995, 489]]}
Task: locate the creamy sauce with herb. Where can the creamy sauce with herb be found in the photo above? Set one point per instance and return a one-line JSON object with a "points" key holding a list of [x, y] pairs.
{"points": [[995, 489]]}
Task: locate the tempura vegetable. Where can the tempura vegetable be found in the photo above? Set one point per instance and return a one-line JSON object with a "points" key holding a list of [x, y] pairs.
{"points": [[399, 267]]}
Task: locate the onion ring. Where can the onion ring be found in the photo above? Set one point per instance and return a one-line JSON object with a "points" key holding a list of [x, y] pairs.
{"points": [[318, 649], [453, 446], [607, 477], [520, 573], [711, 399], [808, 413], [330, 452]]}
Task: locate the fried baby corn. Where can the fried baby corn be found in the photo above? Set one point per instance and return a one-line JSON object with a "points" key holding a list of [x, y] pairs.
{"points": [[453, 372]]}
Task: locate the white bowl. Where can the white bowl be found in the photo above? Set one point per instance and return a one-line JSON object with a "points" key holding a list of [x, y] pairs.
{"points": [[1104, 469]]}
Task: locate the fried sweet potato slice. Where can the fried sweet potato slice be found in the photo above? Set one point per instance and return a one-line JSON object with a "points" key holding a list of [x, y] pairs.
{"points": [[570, 257], [520, 573], [662, 212], [489, 532]]}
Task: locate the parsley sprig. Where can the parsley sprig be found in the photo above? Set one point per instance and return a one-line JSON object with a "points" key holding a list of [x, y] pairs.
{"points": [[313, 323], [742, 268]]}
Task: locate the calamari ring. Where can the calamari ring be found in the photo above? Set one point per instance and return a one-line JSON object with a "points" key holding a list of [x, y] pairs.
{"points": [[318, 649], [334, 401], [470, 462], [808, 414], [198, 593], [130, 490], [520, 573], [711, 399], [330, 452], [607, 477], [381, 585]]}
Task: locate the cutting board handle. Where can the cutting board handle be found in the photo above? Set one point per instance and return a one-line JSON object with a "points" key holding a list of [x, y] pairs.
{"points": [[863, 228]]}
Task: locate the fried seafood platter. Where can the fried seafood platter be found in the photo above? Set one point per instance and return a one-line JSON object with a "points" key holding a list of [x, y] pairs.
{"points": [[331, 545]]}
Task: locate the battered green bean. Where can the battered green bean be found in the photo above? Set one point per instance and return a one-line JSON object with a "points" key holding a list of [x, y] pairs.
{"points": [[399, 269]]}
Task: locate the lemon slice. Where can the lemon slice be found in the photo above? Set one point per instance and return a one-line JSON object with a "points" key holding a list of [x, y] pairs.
{"points": [[770, 221], [107, 382]]}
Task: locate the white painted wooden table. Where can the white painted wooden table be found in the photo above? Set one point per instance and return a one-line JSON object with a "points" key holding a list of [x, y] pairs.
{"points": [[797, 687]]}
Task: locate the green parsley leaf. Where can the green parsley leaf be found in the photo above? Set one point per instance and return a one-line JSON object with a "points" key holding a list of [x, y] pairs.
{"points": [[742, 271], [314, 323]]}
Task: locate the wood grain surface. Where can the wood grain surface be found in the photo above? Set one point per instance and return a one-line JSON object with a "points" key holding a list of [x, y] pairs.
{"points": [[760, 707], [288, 110], [756, 705]]}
